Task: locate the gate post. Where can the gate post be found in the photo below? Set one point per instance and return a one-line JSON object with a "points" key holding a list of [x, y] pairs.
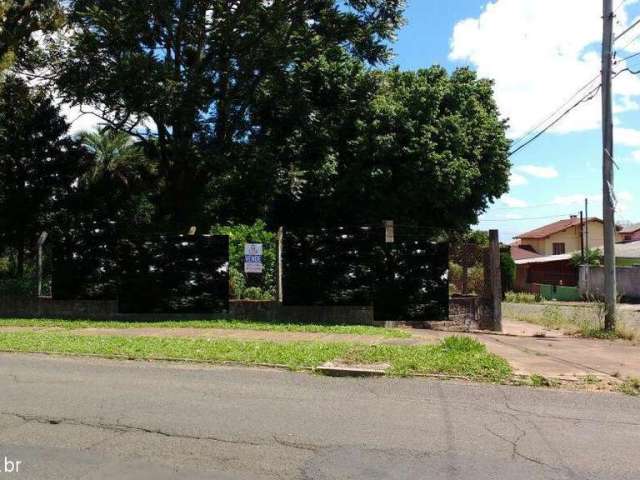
{"points": [[279, 292], [41, 240], [495, 282]]}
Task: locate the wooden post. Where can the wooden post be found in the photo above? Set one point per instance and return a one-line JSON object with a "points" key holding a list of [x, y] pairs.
{"points": [[41, 240], [389, 231], [279, 290], [495, 280]]}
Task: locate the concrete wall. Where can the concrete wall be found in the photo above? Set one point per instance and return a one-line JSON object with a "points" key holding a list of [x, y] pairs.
{"points": [[628, 281], [274, 311], [33, 307], [466, 312]]}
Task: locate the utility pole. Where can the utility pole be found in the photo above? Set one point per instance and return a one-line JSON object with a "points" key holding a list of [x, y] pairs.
{"points": [[582, 236], [586, 224], [608, 207]]}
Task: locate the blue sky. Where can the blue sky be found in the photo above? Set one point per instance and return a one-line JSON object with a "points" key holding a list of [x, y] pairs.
{"points": [[538, 62]]}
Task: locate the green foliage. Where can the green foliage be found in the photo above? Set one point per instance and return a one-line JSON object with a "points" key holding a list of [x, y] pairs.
{"points": [[476, 280], [239, 235], [541, 381], [114, 155], [200, 71], [38, 164], [23, 286], [507, 270], [404, 131], [521, 297], [592, 256], [256, 293], [18, 20], [631, 386]]}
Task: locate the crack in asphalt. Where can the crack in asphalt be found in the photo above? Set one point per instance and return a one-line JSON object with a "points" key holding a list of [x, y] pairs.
{"points": [[562, 417], [515, 452], [514, 417], [118, 427]]}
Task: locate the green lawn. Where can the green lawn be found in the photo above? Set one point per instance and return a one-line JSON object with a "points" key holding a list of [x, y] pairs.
{"points": [[212, 323], [456, 356]]}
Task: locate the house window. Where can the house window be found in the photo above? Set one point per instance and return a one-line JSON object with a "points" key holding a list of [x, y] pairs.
{"points": [[558, 249]]}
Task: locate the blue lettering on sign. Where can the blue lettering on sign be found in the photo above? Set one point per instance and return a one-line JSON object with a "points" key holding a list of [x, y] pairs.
{"points": [[253, 258]]}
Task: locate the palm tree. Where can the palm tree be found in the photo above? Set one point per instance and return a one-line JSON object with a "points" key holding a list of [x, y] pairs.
{"points": [[115, 156], [592, 256]]}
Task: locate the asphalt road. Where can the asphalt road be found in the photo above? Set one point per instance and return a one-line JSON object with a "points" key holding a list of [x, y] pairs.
{"points": [[93, 419]]}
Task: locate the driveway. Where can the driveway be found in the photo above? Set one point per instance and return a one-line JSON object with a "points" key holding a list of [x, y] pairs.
{"points": [[97, 419]]}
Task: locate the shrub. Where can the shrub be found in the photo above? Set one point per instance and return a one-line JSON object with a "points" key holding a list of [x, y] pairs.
{"points": [[18, 287], [507, 270], [256, 293], [521, 297], [476, 279], [238, 280]]}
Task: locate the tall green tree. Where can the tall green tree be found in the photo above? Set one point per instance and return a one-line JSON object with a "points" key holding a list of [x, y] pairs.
{"points": [[38, 164], [18, 20], [194, 71], [423, 148]]}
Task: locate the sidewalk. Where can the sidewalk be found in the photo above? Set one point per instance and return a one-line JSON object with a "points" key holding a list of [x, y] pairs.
{"points": [[530, 349]]}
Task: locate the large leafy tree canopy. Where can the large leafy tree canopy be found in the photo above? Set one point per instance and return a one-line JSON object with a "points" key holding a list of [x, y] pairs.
{"points": [[38, 164], [195, 70], [18, 20], [423, 148], [276, 110]]}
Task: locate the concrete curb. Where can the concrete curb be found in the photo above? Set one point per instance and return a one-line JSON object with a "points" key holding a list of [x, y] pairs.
{"points": [[349, 372]]}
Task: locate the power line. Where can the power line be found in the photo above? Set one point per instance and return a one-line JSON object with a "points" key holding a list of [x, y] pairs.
{"points": [[629, 42], [554, 113], [526, 207], [632, 72], [524, 219], [631, 27], [584, 99], [627, 58], [619, 5]]}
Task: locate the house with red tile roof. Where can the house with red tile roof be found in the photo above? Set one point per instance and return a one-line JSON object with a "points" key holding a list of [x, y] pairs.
{"points": [[561, 237], [630, 233], [543, 255]]}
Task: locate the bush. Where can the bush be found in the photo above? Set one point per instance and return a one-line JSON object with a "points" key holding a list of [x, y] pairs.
{"points": [[256, 293], [507, 270], [18, 287], [476, 280], [241, 286], [521, 297]]}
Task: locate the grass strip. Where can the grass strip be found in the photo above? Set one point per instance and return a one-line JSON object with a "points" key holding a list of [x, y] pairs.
{"points": [[227, 324], [587, 321], [456, 356]]}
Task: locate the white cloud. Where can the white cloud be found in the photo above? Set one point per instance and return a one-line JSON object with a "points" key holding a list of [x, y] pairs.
{"points": [[517, 180], [575, 200], [539, 52], [635, 156], [513, 202], [513, 216], [625, 202], [538, 171], [627, 137]]}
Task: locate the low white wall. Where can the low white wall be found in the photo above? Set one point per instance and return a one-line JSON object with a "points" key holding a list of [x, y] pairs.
{"points": [[627, 278]]}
